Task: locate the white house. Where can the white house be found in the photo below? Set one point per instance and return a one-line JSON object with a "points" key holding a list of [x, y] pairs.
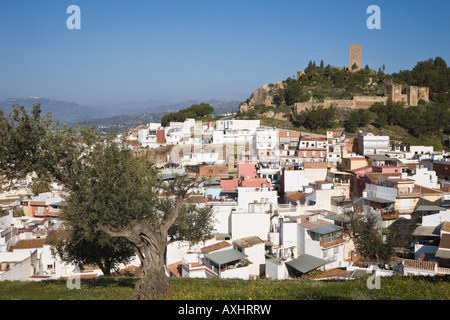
{"points": [[245, 224], [226, 264], [295, 180], [225, 125], [370, 144], [427, 236], [254, 248], [267, 144], [410, 267], [321, 239], [18, 266], [256, 199]]}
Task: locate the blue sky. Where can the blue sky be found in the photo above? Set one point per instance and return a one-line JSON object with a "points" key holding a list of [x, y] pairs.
{"points": [[179, 50]]}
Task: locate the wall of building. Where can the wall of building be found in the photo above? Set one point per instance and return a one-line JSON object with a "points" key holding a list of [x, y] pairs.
{"points": [[256, 255], [250, 224], [288, 234], [22, 270], [275, 270], [213, 171]]}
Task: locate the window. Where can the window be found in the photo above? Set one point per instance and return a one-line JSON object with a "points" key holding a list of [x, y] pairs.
{"points": [[210, 171]]}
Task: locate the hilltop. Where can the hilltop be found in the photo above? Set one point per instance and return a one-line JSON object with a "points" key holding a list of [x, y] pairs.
{"points": [[325, 97]]}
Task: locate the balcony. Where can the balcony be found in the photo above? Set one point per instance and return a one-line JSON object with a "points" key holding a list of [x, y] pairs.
{"points": [[326, 243], [409, 193]]}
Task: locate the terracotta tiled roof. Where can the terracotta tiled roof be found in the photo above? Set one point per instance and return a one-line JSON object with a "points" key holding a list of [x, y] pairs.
{"points": [[197, 199], [216, 246], [334, 273], [375, 177], [402, 180], [446, 226], [297, 195], [445, 241], [424, 190], [314, 139], [30, 244], [292, 134], [315, 165], [175, 268], [305, 223], [248, 242], [420, 265]]}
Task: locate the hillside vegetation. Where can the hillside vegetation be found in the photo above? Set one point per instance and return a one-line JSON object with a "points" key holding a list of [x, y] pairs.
{"points": [[429, 121]]}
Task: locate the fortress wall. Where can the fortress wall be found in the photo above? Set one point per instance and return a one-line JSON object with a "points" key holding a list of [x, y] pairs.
{"points": [[365, 102], [424, 94], [305, 106], [328, 103], [413, 95]]}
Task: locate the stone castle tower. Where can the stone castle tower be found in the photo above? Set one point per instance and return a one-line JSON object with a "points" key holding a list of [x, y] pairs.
{"points": [[355, 56], [408, 95]]}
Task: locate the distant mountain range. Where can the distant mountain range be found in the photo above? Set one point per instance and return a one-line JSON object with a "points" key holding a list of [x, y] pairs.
{"points": [[61, 110], [113, 114]]}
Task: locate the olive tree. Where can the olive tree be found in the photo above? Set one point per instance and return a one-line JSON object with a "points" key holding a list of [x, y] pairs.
{"points": [[121, 195]]}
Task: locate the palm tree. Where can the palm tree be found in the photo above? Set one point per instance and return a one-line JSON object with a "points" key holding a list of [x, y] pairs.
{"points": [[41, 185]]}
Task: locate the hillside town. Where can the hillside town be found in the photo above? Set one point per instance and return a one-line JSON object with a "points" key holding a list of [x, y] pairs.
{"points": [[280, 199]]}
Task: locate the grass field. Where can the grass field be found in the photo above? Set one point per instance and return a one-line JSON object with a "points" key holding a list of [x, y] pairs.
{"points": [[392, 288]]}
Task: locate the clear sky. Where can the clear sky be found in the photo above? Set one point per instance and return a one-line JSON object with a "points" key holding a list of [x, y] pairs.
{"points": [[190, 49]]}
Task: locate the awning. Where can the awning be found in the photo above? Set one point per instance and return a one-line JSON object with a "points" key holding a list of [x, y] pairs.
{"points": [[379, 200], [427, 231], [340, 218], [306, 263], [429, 208], [225, 256], [443, 254]]}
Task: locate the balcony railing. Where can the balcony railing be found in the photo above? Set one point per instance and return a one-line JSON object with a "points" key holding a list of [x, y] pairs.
{"points": [[412, 192], [441, 270]]}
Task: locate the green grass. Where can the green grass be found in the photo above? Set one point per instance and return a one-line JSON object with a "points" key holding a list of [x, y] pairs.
{"points": [[392, 288]]}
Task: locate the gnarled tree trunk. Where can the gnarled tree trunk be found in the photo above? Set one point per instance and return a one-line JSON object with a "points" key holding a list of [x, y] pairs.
{"points": [[154, 282], [151, 244]]}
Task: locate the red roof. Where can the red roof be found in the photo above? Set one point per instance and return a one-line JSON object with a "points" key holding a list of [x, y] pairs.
{"points": [[314, 139]]}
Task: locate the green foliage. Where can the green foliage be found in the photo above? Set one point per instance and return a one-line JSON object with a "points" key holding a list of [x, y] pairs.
{"points": [[367, 237], [420, 121], [316, 118], [83, 245], [121, 288], [196, 111], [338, 83], [432, 73], [358, 118], [41, 185], [294, 92], [21, 136]]}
